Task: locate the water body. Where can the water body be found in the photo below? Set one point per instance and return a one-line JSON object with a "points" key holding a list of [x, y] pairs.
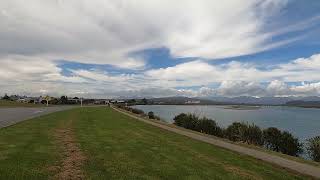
{"points": [[303, 123]]}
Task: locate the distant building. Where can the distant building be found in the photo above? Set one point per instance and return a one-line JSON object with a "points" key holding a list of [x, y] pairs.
{"points": [[23, 100], [193, 102]]}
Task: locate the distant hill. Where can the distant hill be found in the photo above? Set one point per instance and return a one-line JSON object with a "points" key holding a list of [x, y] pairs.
{"points": [[247, 100], [306, 104], [183, 100], [263, 100]]}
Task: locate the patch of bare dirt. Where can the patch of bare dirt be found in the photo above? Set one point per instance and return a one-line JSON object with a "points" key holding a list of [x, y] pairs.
{"points": [[241, 172], [72, 157]]}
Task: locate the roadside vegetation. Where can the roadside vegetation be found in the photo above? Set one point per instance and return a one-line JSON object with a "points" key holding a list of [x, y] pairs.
{"points": [[270, 138], [313, 148], [116, 146], [149, 115], [24, 101]]}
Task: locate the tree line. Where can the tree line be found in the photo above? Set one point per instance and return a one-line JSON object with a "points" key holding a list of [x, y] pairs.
{"points": [[270, 138], [150, 114]]}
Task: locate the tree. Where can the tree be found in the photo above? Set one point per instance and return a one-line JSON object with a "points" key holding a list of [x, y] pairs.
{"points": [[63, 100], [313, 148], [151, 115], [6, 97], [271, 138]]}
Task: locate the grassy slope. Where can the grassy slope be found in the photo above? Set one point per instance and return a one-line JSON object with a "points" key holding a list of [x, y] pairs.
{"points": [[120, 147], [27, 149], [4, 103]]}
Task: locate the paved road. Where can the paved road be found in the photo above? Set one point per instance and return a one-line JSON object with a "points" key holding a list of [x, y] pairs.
{"points": [[9, 116], [282, 162]]}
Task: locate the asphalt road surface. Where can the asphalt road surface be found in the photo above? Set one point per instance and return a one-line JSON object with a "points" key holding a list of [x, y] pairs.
{"points": [[10, 116]]}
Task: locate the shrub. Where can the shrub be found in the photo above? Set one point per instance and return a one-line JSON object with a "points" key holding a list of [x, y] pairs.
{"points": [[151, 115], [137, 111], [272, 139], [290, 145], [188, 121], [204, 125], [179, 119], [253, 135], [283, 142], [313, 148], [209, 126], [236, 131]]}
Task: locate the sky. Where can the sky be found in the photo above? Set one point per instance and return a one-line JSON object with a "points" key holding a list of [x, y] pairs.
{"points": [[160, 48]]}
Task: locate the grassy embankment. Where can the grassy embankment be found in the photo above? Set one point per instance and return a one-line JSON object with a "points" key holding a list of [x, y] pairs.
{"points": [[5, 103], [119, 147]]}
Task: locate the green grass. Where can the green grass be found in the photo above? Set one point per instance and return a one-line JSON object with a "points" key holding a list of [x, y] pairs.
{"points": [[27, 149], [5, 103], [120, 147]]}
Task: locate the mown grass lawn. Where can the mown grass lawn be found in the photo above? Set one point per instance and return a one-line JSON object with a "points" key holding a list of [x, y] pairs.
{"points": [[119, 147]]}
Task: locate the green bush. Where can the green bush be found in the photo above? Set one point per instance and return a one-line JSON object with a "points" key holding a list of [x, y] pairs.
{"points": [[137, 111], [281, 142], [179, 119], [208, 126], [313, 148], [253, 135], [290, 145], [236, 131], [193, 122], [272, 139], [151, 115]]}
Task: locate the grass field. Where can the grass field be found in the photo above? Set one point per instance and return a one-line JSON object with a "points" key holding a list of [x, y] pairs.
{"points": [[119, 147], [4, 103]]}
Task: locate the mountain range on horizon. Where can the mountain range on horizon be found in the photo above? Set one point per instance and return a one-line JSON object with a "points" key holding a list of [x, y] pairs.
{"points": [[236, 100]]}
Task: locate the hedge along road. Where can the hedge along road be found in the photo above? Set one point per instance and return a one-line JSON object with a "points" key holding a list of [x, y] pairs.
{"points": [[277, 160], [10, 116]]}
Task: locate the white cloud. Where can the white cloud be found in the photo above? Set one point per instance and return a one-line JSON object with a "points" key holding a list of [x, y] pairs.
{"points": [[35, 33], [24, 69], [104, 32], [307, 88], [198, 73], [25, 75]]}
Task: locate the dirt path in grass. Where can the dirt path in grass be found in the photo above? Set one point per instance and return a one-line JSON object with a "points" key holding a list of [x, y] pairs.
{"points": [[72, 157], [277, 160]]}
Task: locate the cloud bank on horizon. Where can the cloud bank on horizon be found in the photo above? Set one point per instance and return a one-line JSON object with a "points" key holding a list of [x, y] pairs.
{"points": [[95, 48]]}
